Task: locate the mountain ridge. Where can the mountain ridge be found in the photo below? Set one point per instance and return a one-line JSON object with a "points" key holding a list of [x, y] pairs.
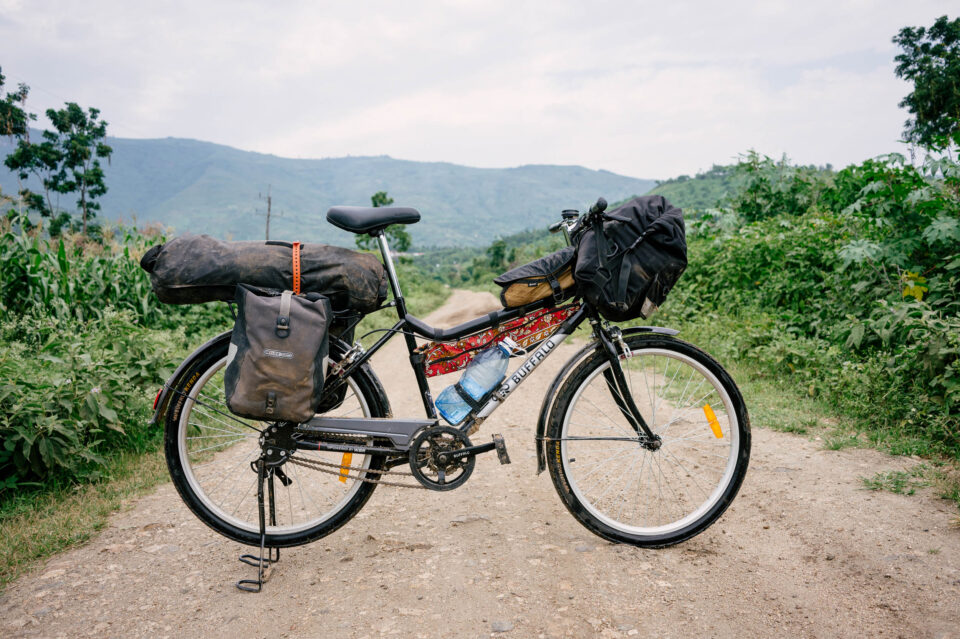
{"points": [[204, 187]]}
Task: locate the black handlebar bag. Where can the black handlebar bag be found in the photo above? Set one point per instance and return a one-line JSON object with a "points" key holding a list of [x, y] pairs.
{"points": [[629, 259], [277, 357]]}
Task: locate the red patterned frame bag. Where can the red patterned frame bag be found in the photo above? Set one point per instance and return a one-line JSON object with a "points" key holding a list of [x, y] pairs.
{"points": [[441, 358]]}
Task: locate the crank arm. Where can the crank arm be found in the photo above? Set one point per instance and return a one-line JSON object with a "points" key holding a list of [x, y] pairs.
{"points": [[497, 444], [472, 450]]}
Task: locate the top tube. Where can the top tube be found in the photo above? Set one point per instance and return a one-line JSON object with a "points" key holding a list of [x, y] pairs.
{"points": [[483, 322]]}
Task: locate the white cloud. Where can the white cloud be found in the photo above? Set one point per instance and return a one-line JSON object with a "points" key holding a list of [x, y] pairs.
{"points": [[648, 89]]}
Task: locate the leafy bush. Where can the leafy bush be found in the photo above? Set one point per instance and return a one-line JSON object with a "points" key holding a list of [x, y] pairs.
{"points": [[847, 282], [72, 392], [764, 188], [84, 344]]}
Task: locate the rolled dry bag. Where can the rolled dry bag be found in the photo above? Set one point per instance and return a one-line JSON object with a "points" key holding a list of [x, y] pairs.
{"points": [[193, 269], [275, 364], [630, 258], [539, 279]]}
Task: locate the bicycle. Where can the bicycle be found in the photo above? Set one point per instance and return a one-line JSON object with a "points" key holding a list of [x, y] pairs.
{"points": [[646, 437]]}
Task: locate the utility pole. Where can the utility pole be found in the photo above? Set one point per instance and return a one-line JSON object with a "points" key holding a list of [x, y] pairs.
{"points": [[269, 208]]}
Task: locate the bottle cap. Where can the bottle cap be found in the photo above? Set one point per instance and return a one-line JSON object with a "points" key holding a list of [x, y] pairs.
{"points": [[510, 345]]}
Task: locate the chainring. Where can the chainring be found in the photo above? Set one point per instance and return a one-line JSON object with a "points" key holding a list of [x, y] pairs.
{"points": [[432, 461]]}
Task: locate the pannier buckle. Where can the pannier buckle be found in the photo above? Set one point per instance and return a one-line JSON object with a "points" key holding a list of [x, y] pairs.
{"points": [[283, 319], [283, 326]]}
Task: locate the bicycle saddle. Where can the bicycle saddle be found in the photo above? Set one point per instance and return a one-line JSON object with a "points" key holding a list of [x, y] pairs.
{"points": [[365, 219]]}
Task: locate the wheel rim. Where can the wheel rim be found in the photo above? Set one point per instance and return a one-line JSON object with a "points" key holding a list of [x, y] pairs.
{"points": [[652, 493], [216, 448]]}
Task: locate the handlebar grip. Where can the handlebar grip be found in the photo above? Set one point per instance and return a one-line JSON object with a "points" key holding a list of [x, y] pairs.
{"points": [[599, 207]]}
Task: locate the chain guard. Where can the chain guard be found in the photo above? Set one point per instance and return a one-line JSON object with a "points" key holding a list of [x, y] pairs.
{"points": [[433, 459]]}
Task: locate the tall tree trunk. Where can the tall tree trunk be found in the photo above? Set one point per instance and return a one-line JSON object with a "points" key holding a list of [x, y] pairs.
{"points": [[83, 206]]}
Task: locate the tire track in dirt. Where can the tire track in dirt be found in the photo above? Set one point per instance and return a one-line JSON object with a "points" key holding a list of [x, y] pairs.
{"points": [[803, 551]]}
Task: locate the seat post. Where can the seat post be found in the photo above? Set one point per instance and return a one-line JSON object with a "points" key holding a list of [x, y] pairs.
{"points": [[391, 273]]}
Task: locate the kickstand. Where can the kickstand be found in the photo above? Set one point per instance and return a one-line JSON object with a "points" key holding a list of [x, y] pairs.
{"points": [[267, 555]]}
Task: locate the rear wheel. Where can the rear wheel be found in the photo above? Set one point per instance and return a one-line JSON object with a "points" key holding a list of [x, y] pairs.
{"points": [[625, 492], [209, 453]]}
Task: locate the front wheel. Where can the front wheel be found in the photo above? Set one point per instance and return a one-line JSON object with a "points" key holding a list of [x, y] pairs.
{"points": [[625, 492], [209, 453]]}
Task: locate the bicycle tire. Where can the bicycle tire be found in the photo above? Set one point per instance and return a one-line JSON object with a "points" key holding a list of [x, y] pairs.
{"points": [[198, 404], [585, 447]]}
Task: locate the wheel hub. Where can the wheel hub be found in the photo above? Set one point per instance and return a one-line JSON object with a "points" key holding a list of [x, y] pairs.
{"points": [[652, 444]]}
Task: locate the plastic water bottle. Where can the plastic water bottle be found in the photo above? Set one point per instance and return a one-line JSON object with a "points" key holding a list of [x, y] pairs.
{"points": [[482, 374]]}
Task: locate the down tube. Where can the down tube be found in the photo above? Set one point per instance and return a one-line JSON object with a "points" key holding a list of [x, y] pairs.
{"points": [[516, 378]]}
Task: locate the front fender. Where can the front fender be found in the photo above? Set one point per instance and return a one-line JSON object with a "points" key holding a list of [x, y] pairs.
{"points": [[562, 375], [184, 367]]}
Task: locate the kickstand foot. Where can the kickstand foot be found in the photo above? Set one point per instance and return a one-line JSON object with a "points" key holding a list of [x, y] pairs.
{"points": [[267, 556]]}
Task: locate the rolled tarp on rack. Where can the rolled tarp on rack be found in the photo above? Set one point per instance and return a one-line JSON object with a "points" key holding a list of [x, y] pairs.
{"points": [[193, 269]]}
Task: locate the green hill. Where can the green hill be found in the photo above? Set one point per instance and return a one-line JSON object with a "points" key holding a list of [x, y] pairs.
{"points": [[210, 188], [700, 192]]}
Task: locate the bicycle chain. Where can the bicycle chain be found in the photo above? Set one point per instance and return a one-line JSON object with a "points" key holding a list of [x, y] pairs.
{"points": [[314, 464]]}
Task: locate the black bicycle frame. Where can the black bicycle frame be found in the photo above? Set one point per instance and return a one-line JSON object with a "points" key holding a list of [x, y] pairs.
{"points": [[409, 326]]}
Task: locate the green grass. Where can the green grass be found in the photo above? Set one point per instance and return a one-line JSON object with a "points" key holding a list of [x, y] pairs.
{"points": [[35, 526], [841, 440], [899, 482], [943, 477]]}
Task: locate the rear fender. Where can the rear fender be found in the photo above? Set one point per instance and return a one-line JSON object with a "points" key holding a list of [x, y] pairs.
{"points": [[182, 370], [548, 398], [163, 401]]}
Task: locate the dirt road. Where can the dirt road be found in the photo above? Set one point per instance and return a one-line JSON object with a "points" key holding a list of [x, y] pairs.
{"points": [[803, 551]]}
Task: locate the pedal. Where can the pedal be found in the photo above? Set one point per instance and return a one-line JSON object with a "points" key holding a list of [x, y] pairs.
{"points": [[501, 447]]}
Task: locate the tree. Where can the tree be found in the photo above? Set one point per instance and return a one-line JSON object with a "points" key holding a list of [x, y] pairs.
{"points": [[14, 120], [931, 60], [42, 161], [398, 237], [497, 253], [15, 124], [79, 141], [66, 161]]}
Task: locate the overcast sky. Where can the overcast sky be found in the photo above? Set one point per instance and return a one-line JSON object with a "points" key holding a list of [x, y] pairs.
{"points": [[646, 89]]}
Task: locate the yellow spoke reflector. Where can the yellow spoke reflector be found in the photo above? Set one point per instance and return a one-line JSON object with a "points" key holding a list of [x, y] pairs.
{"points": [[344, 471], [712, 420]]}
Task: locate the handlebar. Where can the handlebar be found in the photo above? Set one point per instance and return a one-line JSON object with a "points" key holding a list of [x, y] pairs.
{"points": [[599, 207], [571, 219]]}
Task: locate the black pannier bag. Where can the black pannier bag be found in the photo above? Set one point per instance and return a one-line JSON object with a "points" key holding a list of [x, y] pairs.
{"points": [[276, 361], [193, 269], [626, 269], [551, 275]]}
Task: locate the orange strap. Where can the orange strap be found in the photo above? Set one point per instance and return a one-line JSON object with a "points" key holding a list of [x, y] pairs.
{"points": [[296, 268]]}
